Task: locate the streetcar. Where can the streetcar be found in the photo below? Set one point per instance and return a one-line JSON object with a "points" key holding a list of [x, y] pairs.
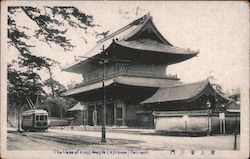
{"points": [[35, 120]]}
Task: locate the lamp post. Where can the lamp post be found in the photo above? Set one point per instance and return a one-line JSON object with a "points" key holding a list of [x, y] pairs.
{"points": [[235, 132], [208, 104], [103, 140]]}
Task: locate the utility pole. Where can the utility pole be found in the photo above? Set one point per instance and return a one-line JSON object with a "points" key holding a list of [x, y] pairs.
{"points": [[208, 104], [103, 140], [235, 133]]}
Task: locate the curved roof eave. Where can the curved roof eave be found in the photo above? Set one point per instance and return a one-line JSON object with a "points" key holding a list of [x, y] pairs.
{"points": [[190, 52]]}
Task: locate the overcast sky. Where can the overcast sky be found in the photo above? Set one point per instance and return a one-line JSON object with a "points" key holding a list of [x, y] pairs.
{"points": [[219, 30]]}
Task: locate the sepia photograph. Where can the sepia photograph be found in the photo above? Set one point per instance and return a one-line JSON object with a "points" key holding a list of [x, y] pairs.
{"points": [[128, 79]]}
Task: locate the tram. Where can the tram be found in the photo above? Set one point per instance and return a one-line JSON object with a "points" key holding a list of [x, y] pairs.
{"points": [[35, 120]]}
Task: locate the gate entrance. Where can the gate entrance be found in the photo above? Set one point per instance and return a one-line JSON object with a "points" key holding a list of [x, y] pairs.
{"points": [[110, 114]]}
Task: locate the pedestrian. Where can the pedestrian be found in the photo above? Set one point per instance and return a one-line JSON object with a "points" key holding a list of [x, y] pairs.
{"points": [[72, 124]]}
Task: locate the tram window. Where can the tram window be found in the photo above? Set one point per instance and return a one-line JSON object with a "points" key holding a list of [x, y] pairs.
{"points": [[26, 117], [37, 117], [41, 117], [45, 117]]}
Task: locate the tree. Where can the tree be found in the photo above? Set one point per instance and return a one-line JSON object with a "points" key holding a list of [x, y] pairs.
{"points": [[52, 23], [235, 95], [55, 99]]}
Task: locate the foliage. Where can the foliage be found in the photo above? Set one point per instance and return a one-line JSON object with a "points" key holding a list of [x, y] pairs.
{"points": [[51, 22], [235, 95], [57, 87], [22, 85], [57, 105]]}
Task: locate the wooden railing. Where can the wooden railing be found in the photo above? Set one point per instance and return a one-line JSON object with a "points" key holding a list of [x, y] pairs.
{"points": [[95, 76]]}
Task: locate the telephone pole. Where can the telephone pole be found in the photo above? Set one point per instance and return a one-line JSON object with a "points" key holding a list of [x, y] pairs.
{"points": [[103, 140]]}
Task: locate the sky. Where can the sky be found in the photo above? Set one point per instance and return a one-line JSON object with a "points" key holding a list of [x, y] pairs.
{"points": [[219, 30]]}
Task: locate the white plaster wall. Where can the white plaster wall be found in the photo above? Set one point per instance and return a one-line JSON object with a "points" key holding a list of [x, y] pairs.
{"points": [[197, 123]]}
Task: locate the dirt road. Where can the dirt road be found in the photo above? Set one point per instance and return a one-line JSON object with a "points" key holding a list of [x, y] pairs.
{"points": [[54, 139]]}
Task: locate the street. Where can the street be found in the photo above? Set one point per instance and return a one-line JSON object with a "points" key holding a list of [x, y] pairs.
{"points": [[55, 139]]}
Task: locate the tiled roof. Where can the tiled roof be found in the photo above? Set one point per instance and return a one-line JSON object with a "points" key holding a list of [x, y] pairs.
{"points": [[77, 107], [177, 92], [232, 106], [181, 113], [155, 46]]}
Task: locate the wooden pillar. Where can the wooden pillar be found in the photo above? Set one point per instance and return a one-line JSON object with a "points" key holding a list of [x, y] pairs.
{"points": [[87, 115], [123, 114], [94, 116], [84, 119], [115, 117], [210, 124], [220, 126], [224, 126]]}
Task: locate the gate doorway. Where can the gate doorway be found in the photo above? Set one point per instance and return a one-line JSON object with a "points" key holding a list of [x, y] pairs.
{"points": [[110, 114], [99, 110]]}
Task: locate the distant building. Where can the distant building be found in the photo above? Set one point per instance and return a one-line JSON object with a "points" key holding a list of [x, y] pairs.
{"points": [[139, 91], [232, 113], [77, 112]]}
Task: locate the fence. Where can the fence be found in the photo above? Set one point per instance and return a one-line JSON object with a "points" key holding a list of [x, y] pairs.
{"points": [[59, 122]]}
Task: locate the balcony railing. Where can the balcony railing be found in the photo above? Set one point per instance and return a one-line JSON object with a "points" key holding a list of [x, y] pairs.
{"points": [[95, 76]]}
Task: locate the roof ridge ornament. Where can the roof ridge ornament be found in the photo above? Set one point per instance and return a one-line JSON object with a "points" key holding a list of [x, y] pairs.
{"points": [[135, 22]]}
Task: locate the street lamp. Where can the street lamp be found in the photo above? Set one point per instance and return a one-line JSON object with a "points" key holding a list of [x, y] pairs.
{"points": [[235, 133], [208, 104], [103, 62], [235, 128], [103, 140]]}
